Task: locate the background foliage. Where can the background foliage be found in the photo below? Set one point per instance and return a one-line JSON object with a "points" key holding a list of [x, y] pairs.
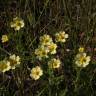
{"points": [[77, 18]]}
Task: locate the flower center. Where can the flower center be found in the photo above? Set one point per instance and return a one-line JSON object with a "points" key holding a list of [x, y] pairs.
{"points": [[82, 60]]}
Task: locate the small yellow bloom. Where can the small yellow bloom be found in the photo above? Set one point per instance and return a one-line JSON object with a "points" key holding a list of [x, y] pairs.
{"points": [[4, 38], [36, 73], [52, 48], [54, 63], [4, 66], [45, 40], [17, 23], [61, 36], [82, 60], [81, 49], [41, 52], [14, 61]]}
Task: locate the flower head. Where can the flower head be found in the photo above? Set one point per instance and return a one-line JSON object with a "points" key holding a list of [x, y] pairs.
{"points": [[14, 61], [4, 38], [46, 47], [4, 66], [17, 23], [36, 73], [52, 48], [54, 63], [81, 49], [82, 60], [45, 39], [61, 36], [41, 52]]}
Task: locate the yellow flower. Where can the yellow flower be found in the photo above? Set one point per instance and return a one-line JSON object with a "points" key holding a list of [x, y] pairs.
{"points": [[4, 66], [4, 38], [52, 48], [17, 23], [61, 36], [82, 60], [54, 63], [36, 72], [81, 49], [41, 52], [45, 40], [14, 61]]}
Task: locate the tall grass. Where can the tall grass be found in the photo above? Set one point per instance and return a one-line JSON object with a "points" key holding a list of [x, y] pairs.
{"points": [[77, 18]]}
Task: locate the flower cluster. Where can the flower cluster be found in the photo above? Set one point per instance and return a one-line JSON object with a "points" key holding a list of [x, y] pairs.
{"points": [[11, 63], [47, 46], [17, 23], [61, 36], [81, 59], [37, 72]]}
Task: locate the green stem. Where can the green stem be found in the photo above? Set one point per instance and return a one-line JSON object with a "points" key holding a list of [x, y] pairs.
{"points": [[2, 49], [77, 78]]}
